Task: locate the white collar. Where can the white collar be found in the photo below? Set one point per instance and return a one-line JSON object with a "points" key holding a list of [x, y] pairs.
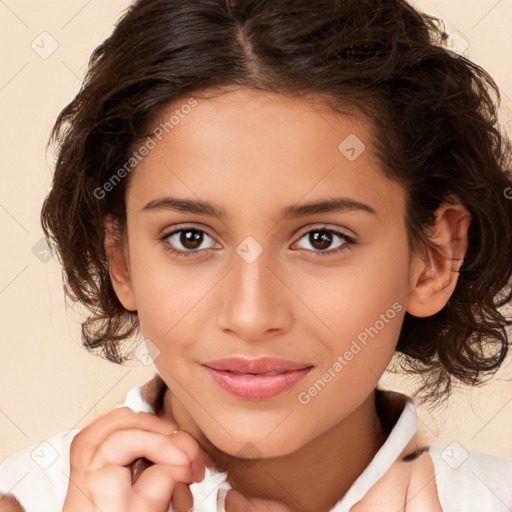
{"points": [[401, 433]]}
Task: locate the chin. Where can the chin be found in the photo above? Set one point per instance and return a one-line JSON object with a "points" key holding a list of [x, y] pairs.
{"points": [[256, 447]]}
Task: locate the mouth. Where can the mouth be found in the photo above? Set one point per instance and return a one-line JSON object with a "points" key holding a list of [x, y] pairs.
{"points": [[263, 365], [275, 372], [258, 379]]}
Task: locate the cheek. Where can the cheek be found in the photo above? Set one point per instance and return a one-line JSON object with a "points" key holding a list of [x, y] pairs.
{"points": [[164, 300], [170, 300], [358, 356], [361, 308], [352, 296]]}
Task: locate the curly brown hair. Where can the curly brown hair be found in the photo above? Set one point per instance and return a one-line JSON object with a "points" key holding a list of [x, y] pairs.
{"points": [[436, 130]]}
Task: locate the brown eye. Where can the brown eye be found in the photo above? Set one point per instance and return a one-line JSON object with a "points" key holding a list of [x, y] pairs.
{"points": [[186, 240], [191, 238], [320, 240]]}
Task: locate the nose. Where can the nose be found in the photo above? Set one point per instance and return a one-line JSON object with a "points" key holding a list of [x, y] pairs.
{"points": [[256, 302]]}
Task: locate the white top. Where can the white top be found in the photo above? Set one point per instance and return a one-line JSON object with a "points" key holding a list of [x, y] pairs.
{"points": [[467, 480]]}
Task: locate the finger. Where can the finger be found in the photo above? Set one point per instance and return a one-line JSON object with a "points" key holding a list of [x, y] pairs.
{"points": [[140, 464], [189, 445], [198, 471], [124, 446], [106, 487], [182, 500], [157, 485], [88, 440]]}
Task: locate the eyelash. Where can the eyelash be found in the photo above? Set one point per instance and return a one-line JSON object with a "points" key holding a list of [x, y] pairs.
{"points": [[349, 241]]}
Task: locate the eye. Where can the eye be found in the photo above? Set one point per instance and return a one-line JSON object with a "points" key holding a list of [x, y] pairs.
{"points": [[321, 238], [186, 239]]}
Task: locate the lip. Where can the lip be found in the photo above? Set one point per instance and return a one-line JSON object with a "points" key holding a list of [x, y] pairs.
{"points": [[257, 379], [256, 387], [260, 365]]}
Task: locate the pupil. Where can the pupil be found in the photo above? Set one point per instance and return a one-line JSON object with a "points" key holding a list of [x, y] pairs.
{"points": [[320, 239], [191, 239]]}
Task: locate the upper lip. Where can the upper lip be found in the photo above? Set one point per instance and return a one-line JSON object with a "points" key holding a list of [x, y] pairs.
{"points": [[262, 365]]}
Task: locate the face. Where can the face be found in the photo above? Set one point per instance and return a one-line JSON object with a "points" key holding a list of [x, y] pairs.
{"points": [[325, 287]]}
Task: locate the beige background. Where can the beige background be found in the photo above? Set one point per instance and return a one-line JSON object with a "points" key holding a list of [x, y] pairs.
{"points": [[48, 383]]}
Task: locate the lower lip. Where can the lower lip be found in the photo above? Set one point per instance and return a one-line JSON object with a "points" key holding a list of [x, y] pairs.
{"points": [[256, 387]]}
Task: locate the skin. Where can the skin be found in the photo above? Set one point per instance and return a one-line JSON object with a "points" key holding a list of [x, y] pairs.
{"points": [[254, 153], [8, 503]]}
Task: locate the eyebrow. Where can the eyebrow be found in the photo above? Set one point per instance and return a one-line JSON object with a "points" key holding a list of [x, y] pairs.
{"points": [[338, 204]]}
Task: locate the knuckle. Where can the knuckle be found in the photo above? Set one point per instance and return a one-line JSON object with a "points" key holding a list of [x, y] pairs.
{"points": [[113, 481], [191, 443], [123, 412], [80, 459], [81, 452]]}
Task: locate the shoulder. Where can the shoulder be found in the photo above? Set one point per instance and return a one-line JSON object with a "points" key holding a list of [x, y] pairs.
{"points": [[37, 474], [470, 480]]}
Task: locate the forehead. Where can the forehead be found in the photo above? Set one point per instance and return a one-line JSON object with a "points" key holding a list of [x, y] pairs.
{"points": [[251, 147]]}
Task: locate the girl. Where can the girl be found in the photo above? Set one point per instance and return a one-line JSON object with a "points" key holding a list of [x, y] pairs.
{"points": [[277, 197]]}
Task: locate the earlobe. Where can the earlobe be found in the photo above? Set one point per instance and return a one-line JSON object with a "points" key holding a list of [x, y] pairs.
{"points": [[435, 272], [118, 265]]}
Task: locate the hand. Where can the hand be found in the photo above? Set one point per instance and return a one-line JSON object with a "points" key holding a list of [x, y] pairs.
{"points": [[107, 457]]}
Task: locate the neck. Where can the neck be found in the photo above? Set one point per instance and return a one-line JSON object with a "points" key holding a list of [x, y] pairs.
{"points": [[339, 456]]}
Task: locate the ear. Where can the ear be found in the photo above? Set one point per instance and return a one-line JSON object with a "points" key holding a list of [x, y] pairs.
{"points": [[434, 273], [118, 264]]}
